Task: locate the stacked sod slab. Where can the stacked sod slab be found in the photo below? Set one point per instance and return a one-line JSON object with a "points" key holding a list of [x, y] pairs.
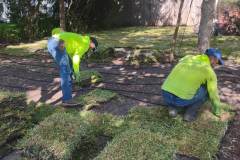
{"points": [[95, 98], [88, 77], [14, 120]]}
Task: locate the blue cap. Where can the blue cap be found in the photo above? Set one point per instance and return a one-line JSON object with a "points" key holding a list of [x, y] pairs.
{"points": [[216, 53]]}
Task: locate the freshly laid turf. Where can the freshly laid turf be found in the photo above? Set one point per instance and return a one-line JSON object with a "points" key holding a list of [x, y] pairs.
{"points": [[56, 137], [138, 144], [95, 98], [15, 119], [12, 99], [200, 138], [88, 77]]}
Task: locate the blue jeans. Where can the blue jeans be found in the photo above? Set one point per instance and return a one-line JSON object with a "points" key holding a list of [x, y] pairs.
{"points": [[195, 103], [61, 58]]}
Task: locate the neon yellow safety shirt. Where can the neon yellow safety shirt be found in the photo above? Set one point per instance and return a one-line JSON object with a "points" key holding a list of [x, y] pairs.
{"points": [[76, 46], [188, 75]]}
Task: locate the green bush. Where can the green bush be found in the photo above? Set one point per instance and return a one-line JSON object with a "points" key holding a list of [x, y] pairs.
{"points": [[56, 137], [138, 144], [9, 33]]}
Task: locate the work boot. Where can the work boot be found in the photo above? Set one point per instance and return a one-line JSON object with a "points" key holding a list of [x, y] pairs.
{"points": [[172, 112], [71, 103], [190, 115]]}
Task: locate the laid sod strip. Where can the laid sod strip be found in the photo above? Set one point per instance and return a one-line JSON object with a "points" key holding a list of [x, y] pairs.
{"points": [[12, 99], [89, 77], [95, 98], [56, 137], [15, 118], [199, 139], [138, 144], [105, 124]]}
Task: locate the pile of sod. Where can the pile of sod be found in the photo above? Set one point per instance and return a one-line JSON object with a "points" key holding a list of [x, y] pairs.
{"points": [[14, 120], [88, 77], [56, 137], [95, 98]]}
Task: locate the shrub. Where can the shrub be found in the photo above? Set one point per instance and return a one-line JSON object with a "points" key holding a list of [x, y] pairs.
{"points": [[57, 137], [138, 144], [9, 33]]}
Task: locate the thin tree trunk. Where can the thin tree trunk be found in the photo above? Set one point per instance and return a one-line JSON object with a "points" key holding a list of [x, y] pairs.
{"points": [[179, 19], [62, 14], [208, 12]]}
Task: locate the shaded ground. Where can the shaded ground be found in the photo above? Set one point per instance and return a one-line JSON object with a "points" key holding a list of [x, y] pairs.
{"points": [[135, 86]]}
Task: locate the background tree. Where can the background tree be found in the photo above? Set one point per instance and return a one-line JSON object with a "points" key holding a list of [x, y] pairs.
{"points": [[62, 14], [178, 25], [208, 12]]}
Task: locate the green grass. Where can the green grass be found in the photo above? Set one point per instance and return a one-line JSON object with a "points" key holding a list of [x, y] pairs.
{"points": [[138, 144], [24, 49], [15, 119], [200, 139], [95, 98], [155, 38], [12, 99], [56, 137]]}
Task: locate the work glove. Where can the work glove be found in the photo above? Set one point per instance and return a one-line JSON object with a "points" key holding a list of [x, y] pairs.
{"points": [[77, 77], [216, 110]]}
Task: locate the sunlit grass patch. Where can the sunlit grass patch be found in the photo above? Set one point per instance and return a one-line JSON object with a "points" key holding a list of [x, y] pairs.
{"points": [[24, 49]]}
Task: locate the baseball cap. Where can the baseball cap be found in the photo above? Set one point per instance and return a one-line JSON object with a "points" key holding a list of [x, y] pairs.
{"points": [[216, 53]]}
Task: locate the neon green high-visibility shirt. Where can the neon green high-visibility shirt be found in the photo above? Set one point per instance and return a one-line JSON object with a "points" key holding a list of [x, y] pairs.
{"points": [[188, 75], [76, 46]]}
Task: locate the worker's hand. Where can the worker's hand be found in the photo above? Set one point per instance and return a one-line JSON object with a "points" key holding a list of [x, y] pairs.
{"points": [[217, 111]]}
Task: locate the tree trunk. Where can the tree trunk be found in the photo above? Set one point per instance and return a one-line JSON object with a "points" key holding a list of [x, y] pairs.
{"points": [[208, 12], [62, 14], [179, 19]]}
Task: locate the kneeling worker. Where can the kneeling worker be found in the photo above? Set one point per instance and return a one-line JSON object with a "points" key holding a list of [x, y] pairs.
{"points": [[191, 83], [63, 45]]}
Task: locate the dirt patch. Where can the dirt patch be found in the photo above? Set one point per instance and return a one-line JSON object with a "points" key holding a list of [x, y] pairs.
{"points": [[230, 148]]}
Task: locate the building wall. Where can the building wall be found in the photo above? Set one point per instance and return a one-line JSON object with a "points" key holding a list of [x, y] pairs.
{"points": [[3, 11], [156, 12]]}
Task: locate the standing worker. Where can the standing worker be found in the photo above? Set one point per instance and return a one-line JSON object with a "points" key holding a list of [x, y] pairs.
{"points": [[192, 82], [63, 45]]}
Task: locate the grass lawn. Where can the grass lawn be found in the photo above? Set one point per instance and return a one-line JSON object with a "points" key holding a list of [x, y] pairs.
{"points": [[156, 38]]}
